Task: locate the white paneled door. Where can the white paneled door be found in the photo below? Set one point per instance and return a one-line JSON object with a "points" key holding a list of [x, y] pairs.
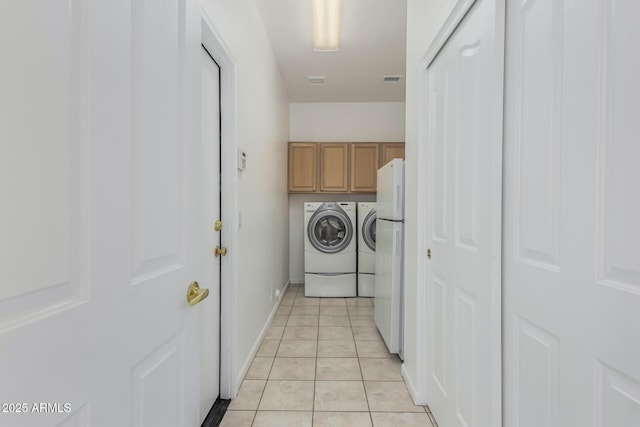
{"points": [[100, 179], [572, 214], [464, 147], [210, 312]]}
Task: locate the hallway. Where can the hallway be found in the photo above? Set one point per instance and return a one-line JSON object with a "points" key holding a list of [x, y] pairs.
{"points": [[323, 363]]}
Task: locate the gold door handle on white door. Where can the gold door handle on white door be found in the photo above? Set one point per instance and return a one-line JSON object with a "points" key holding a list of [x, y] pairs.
{"points": [[195, 294], [217, 225]]}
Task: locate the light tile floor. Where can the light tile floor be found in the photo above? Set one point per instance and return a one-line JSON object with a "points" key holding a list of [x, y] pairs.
{"points": [[323, 363]]}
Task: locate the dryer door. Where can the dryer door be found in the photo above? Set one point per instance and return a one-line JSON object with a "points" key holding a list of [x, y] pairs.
{"points": [[369, 230], [330, 230]]}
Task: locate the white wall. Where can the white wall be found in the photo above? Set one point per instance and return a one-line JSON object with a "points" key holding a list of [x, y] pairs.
{"points": [[262, 128], [336, 122], [347, 121], [424, 20]]}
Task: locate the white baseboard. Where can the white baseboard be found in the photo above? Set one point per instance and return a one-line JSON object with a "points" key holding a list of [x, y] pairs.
{"points": [[418, 398], [256, 344]]}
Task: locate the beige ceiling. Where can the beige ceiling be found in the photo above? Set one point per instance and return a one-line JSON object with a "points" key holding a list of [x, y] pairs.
{"points": [[372, 45]]}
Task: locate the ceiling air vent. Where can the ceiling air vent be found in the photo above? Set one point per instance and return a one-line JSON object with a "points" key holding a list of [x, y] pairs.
{"points": [[392, 79], [316, 80]]}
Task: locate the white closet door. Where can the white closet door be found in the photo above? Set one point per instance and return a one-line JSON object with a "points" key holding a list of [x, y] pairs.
{"points": [[572, 214], [464, 147]]}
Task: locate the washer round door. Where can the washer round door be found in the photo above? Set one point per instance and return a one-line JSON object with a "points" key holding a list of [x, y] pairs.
{"points": [[369, 229], [330, 230]]}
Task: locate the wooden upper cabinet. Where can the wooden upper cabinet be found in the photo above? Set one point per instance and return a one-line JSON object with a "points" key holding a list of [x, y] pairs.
{"points": [[338, 167], [364, 167], [302, 167], [390, 151], [334, 163]]}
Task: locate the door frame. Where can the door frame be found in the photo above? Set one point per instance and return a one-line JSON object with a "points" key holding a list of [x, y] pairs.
{"points": [[420, 395], [214, 43]]}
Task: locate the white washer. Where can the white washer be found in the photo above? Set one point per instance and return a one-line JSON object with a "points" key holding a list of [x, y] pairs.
{"points": [[330, 249], [366, 248]]}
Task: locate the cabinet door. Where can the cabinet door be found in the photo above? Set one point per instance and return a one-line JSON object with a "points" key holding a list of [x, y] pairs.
{"points": [[364, 167], [302, 167], [391, 151], [334, 162]]}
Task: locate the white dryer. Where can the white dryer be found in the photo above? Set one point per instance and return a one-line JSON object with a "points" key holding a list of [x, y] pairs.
{"points": [[330, 249], [366, 248]]}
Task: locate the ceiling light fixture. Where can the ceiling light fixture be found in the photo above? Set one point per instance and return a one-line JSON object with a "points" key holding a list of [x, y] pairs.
{"points": [[326, 25]]}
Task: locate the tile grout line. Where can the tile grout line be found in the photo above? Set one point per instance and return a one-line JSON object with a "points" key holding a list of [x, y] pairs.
{"points": [[315, 371], [315, 367], [366, 396], [255, 415]]}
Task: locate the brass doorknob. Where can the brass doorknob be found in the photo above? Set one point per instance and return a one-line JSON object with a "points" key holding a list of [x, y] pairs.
{"points": [[195, 294], [220, 251], [217, 225]]}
